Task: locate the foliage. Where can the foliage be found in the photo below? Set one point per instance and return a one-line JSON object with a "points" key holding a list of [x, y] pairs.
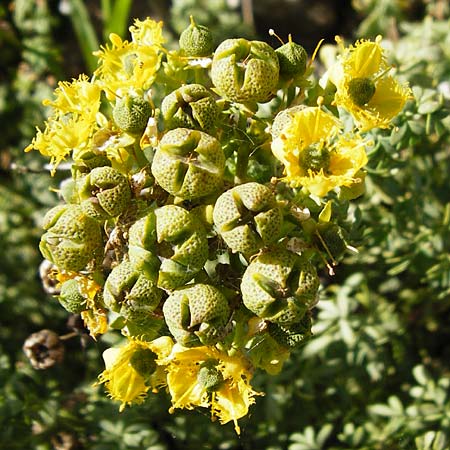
{"points": [[375, 375]]}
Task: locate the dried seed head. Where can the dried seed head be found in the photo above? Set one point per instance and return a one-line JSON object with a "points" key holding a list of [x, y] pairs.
{"points": [[44, 349]]}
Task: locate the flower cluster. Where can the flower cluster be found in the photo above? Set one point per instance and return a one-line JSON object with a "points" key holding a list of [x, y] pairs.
{"points": [[200, 207]]}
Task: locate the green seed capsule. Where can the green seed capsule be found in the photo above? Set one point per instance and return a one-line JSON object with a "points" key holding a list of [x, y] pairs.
{"points": [[104, 192], [196, 40], [131, 293], [72, 239], [292, 58], [209, 376], [197, 315], [191, 106], [245, 71], [71, 298], [131, 113], [143, 361], [361, 90], [189, 164], [247, 217], [280, 286]]}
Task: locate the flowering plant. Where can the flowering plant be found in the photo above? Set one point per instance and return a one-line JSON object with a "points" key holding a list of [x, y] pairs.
{"points": [[207, 194]]}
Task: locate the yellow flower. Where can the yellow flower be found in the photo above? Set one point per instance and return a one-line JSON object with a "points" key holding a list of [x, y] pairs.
{"points": [[205, 376], [80, 97], [130, 66], [72, 122], [132, 370], [364, 87], [315, 156], [147, 32]]}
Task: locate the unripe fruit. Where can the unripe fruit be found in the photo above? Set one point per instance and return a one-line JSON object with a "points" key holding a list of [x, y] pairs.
{"points": [[331, 239], [143, 362], [361, 90], [209, 376], [197, 315], [292, 58], [188, 163], [247, 217], [196, 40], [72, 239], [245, 71], [71, 298], [131, 113], [190, 106], [291, 335], [104, 192], [279, 286], [131, 293], [168, 243]]}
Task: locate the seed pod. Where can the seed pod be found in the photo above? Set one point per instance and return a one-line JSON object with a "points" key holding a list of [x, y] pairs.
{"points": [[331, 239], [131, 293], [131, 113], [169, 243], [197, 315], [104, 192], [196, 40], [292, 58], [245, 71], [71, 298], [280, 286], [72, 239], [188, 163], [86, 160], [44, 349], [247, 217], [190, 106], [291, 335]]}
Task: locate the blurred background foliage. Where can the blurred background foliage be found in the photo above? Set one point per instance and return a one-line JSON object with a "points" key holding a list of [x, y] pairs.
{"points": [[376, 375]]}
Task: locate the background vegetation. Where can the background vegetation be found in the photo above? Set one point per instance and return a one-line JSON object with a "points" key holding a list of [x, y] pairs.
{"points": [[376, 375]]}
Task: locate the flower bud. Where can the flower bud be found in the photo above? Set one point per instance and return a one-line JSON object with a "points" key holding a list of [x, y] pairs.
{"points": [[197, 315], [196, 40], [72, 239], [280, 286], [188, 163], [131, 293], [245, 71], [292, 58], [247, 217], [190, 106], [71, 298], [131, 113], [104, 192]]}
